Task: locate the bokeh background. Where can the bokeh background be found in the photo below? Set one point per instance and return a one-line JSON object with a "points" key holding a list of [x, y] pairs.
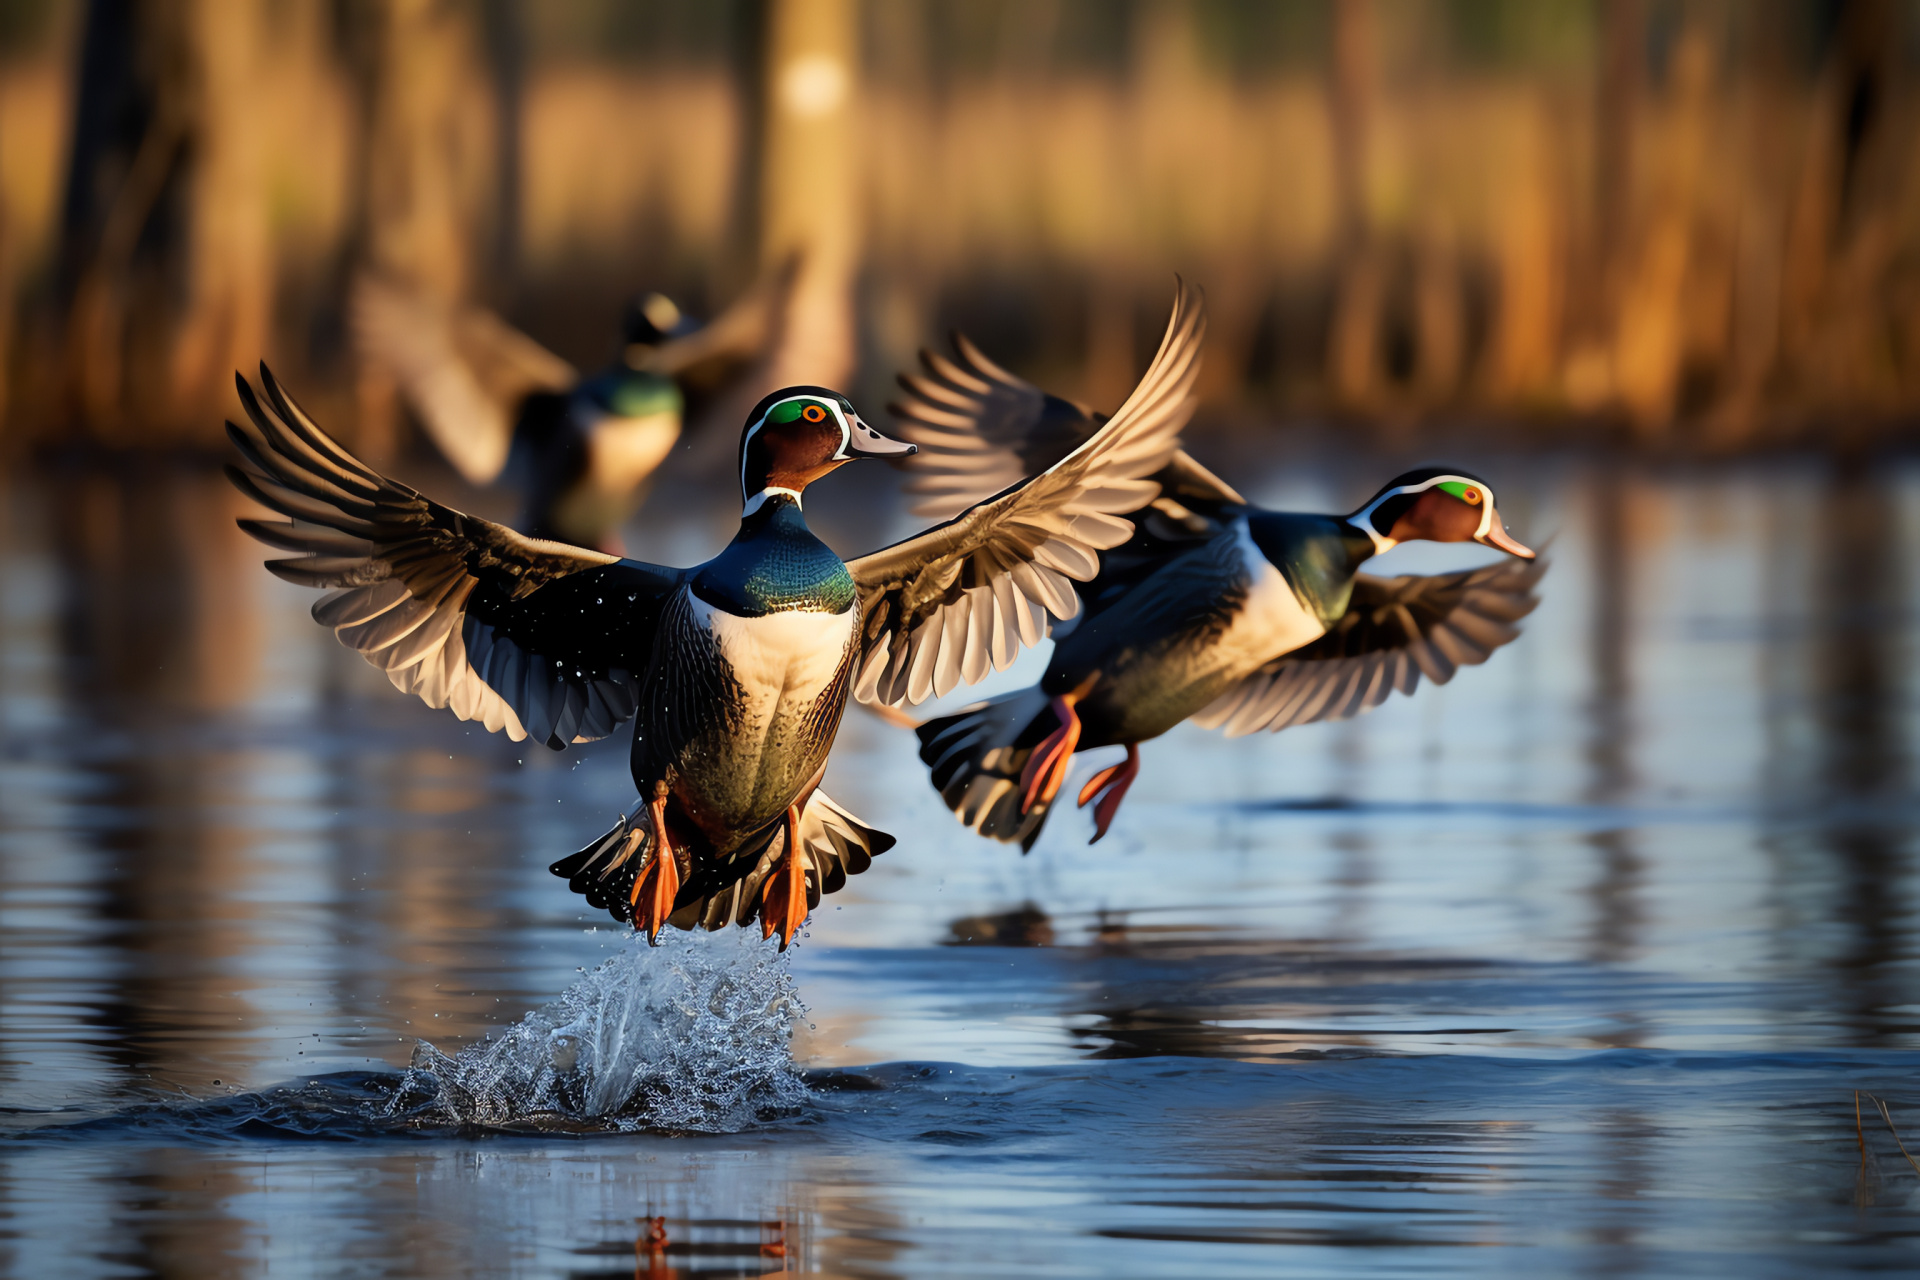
{"points": [[1580, 957], [1692, 223]]}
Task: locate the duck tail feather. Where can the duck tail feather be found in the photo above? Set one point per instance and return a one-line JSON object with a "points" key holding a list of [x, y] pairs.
{"points": [[834, 844], [974, 758], [603, 873]]}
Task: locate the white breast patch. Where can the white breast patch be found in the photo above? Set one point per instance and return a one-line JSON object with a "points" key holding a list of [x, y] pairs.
{"points": [[779, 658], [1271, 622]]}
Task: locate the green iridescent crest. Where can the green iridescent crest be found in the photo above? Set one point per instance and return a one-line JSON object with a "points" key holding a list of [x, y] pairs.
{"points": [[812, 410], [1471, 494]]}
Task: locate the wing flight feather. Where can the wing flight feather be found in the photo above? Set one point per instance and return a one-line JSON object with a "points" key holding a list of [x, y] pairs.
{"points": [[1013, 558], [527, 637], [1395, 631]]}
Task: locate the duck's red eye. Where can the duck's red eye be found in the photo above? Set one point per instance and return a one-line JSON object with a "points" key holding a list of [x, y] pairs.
{"points": [[1472, 496], [814, 413]]}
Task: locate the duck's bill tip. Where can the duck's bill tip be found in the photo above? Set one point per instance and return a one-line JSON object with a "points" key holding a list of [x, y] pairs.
{"points": [[868, 443], [1498, 537]]}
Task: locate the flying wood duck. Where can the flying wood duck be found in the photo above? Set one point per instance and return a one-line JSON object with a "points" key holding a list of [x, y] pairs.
{"points": [[581, 446], [736, 671], [1216, 611]]}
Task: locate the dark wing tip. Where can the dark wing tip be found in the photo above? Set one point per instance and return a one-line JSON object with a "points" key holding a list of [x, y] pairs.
{"points": [[243, 481]]}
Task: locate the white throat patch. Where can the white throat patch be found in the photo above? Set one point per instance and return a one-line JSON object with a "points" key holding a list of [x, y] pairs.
{"points": [[759, 499]]}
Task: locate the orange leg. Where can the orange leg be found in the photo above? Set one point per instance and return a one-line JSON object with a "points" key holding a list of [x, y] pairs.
{"points": [[660, 882], [783, 899], [1114, 780], [1047, 766]]}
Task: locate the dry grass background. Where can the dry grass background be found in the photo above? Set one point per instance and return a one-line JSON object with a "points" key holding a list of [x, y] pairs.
{"points": [[1696, 220]]}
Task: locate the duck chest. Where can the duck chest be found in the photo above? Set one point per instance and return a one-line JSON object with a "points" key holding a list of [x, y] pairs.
{"points": [[794, 655], [1271, 619]]}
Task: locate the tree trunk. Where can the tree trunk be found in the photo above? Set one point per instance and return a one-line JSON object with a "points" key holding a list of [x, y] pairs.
{"points": [[810, 194], [166, 261], [1353, 340], [420, 143]]}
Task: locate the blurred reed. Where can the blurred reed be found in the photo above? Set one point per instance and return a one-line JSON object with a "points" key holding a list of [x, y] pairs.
{"points": [[1697, 221]]}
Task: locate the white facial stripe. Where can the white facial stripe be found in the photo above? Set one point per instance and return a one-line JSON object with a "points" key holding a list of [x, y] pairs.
{"points": [[846, 434], [746, 444], [1363, 518]]}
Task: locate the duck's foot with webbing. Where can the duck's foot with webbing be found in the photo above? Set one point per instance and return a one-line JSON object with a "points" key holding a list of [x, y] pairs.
{"points": [[783, 899], [655, 888], [1047, 766], [1110, 784]]}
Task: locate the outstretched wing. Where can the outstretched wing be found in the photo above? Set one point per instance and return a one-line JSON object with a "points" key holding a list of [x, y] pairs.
{"points": [[982, 429], [731, 342], [463, 370], [939, 608], [1395, 630], [535, 638]]}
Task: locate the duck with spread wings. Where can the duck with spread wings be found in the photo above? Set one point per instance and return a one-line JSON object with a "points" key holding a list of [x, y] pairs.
{"points": [[1215, 611], [582, 446], [735, 671]]}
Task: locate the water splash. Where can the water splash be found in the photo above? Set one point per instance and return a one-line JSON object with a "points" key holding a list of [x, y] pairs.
{"points": [[693, 1036]]}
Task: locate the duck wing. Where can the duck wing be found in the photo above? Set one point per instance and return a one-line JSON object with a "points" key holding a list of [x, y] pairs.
{"points": [[463, 370], [981, 429], [944, 606], [732, 341], [538, 639], [1394, 631]]}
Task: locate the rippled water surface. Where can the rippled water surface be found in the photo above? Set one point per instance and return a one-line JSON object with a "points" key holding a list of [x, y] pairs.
{"points": [[1574, 966]]}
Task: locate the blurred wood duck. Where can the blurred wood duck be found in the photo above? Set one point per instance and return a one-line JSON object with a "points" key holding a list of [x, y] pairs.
{"points": [[1216, 611], [582, 447], [735, 671]]}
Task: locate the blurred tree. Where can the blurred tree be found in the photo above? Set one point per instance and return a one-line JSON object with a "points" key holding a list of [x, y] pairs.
{"points": [[1694, 215], [167, 270], [9, 290], [429, 139], [1353, 338], [507, 60], [810, 193], [1658, 256], [1840, 311]]}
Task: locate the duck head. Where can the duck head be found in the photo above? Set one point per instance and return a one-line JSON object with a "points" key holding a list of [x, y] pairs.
{"points": [[1435, 504], [798, 434], [653, 319]]}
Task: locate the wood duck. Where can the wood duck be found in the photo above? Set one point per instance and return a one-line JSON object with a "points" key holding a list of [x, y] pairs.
{"points": [[582, 447], [735, 671], [1216, 611]]}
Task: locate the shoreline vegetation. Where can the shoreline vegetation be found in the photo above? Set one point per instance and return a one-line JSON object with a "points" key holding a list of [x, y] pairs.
{"points": [[1686, 227]]}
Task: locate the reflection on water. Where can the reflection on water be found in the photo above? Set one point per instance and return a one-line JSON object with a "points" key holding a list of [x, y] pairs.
{"points": [[1581, 956]]}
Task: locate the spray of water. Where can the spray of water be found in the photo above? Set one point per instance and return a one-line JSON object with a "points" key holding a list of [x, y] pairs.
{"points": [[693, 1036]]}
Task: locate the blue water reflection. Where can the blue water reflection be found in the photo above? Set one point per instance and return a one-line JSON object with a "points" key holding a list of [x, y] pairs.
{"points": [[1582, 956]]}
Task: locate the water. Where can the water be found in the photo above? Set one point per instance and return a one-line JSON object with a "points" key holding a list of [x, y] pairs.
{"points": [[695, 1038], [1572, 967]]}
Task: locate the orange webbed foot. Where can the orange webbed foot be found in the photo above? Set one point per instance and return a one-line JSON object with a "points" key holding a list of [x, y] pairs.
{"points": [[1047, 766], [783, 899], [1113, 781], [655, 889]]}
